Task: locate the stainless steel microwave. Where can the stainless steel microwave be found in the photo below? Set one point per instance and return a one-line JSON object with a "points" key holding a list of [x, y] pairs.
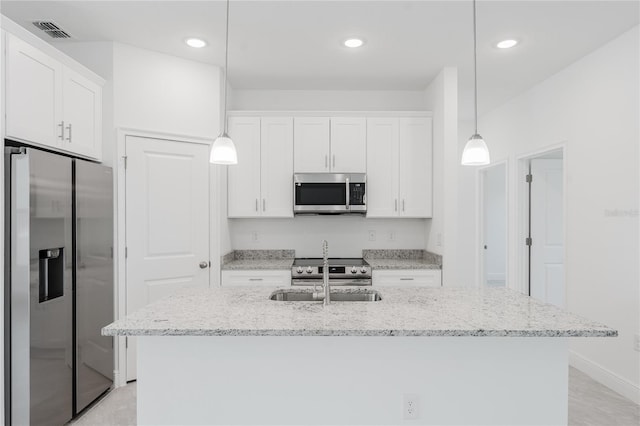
{"points": [[329, 193]]}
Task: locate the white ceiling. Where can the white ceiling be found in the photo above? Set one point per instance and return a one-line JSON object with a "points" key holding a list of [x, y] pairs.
{"points": [[297, 44]]}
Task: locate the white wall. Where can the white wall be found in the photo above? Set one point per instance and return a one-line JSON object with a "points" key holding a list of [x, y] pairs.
{"points": [[592, 106], [327, 100], [166, 94], [441, 97], [347, 235]]}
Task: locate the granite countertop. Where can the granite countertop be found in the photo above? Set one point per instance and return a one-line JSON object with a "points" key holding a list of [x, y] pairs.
{"points": [[247, 311], [402, 259], [402, 264], [253, 264], [258, 259]]}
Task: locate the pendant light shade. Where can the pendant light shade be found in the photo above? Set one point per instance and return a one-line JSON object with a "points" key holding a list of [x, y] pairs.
{"points": [[475, 151], [223, 150]]}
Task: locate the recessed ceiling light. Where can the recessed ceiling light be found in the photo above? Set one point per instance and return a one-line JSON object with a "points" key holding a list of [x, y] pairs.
{"points": [[507, 44], [353, 42], [195, 42]]}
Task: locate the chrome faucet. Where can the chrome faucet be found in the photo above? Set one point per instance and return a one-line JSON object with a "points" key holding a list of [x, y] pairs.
{"points": [[325, 273]]}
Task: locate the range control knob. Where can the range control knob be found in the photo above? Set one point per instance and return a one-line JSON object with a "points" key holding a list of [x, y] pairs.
{"points": [[309, 269], [363, 269], [299, 270], [354, 270]]}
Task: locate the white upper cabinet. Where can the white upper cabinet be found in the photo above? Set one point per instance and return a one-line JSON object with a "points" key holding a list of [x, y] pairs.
{"points": [[261, 184], [33, 95], [399, 167], [348, 145], [416, 168], [83, 115], [383, 167], [276, 166], [49, 104], [244, 177], [311, 145], [323, 145]]}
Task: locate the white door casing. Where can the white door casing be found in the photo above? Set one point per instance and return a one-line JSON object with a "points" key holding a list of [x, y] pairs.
{"points": [[167, 222], [547, 248], [494, 225]]}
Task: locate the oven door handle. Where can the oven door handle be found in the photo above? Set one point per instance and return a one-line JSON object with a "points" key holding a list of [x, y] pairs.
{"points": [[332, 282], [348, 195]]}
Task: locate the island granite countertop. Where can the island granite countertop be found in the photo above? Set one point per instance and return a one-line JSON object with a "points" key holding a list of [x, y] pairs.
{"points": [[247, 311]]}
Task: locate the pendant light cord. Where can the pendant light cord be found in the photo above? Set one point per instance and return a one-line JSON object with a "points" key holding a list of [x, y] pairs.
{"points": [[226, 64], [475, 69]]}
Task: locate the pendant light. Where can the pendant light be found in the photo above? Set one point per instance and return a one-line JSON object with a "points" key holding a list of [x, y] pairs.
{"points": [[475, 151], [223, 150]]}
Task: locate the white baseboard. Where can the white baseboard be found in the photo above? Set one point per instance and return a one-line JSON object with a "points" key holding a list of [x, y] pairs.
{"points": [[605, 376]]}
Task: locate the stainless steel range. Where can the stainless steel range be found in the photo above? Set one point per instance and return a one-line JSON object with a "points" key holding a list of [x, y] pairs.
{"points": [[342, 271]]}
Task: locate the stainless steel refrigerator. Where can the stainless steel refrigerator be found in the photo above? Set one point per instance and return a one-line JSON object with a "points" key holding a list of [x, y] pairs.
{"points": [[58, 285]]}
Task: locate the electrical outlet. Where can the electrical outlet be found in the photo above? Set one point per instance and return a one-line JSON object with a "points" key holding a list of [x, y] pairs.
{"points": [[392, 236], [411, 407], [372, 235], [636, 342], [254, 236], [439, 239]]}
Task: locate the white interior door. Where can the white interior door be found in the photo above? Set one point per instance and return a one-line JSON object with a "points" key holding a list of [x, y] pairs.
{"points": [[167, 222], [494, 218], [547, 247]]}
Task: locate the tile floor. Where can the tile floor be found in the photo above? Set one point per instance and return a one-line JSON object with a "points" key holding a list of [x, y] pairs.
{"points": [[590, 404]]}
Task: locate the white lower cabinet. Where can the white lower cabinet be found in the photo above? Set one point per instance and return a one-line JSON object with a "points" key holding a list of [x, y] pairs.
{"points": [[407, 277], [266, 278]]}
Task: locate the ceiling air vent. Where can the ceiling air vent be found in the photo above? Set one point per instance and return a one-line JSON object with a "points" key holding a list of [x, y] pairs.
{"points": [[52, 29]]}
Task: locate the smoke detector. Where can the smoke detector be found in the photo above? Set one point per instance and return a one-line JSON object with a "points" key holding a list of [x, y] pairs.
{"points": [[52, 29]]}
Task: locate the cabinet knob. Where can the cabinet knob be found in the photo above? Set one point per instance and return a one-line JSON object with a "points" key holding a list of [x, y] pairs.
{"points": [[203, 265]]}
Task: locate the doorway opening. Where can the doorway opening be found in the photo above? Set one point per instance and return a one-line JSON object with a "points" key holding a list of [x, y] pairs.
{"points": [[542, 217], [493, 188]]}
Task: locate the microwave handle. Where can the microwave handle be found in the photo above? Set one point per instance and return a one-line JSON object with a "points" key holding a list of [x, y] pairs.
{"points": [[348, 192]]}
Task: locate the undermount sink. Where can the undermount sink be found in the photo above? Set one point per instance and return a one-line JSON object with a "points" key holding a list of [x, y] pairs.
{"points": [[336, 296]]}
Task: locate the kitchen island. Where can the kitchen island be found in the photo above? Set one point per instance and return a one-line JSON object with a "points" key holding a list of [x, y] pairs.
{"points": [[461, 356]]}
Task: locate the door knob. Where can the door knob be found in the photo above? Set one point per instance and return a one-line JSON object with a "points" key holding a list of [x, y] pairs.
{"points": [[203, 265]]}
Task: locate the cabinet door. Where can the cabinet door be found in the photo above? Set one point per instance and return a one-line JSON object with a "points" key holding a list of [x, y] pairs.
{"points": [[264, 278], [416, 163], [382, 167], [34, 95], [311, 145], [244, 178], [276, 171], [348, 145], [407, 278], [82, 112]]}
